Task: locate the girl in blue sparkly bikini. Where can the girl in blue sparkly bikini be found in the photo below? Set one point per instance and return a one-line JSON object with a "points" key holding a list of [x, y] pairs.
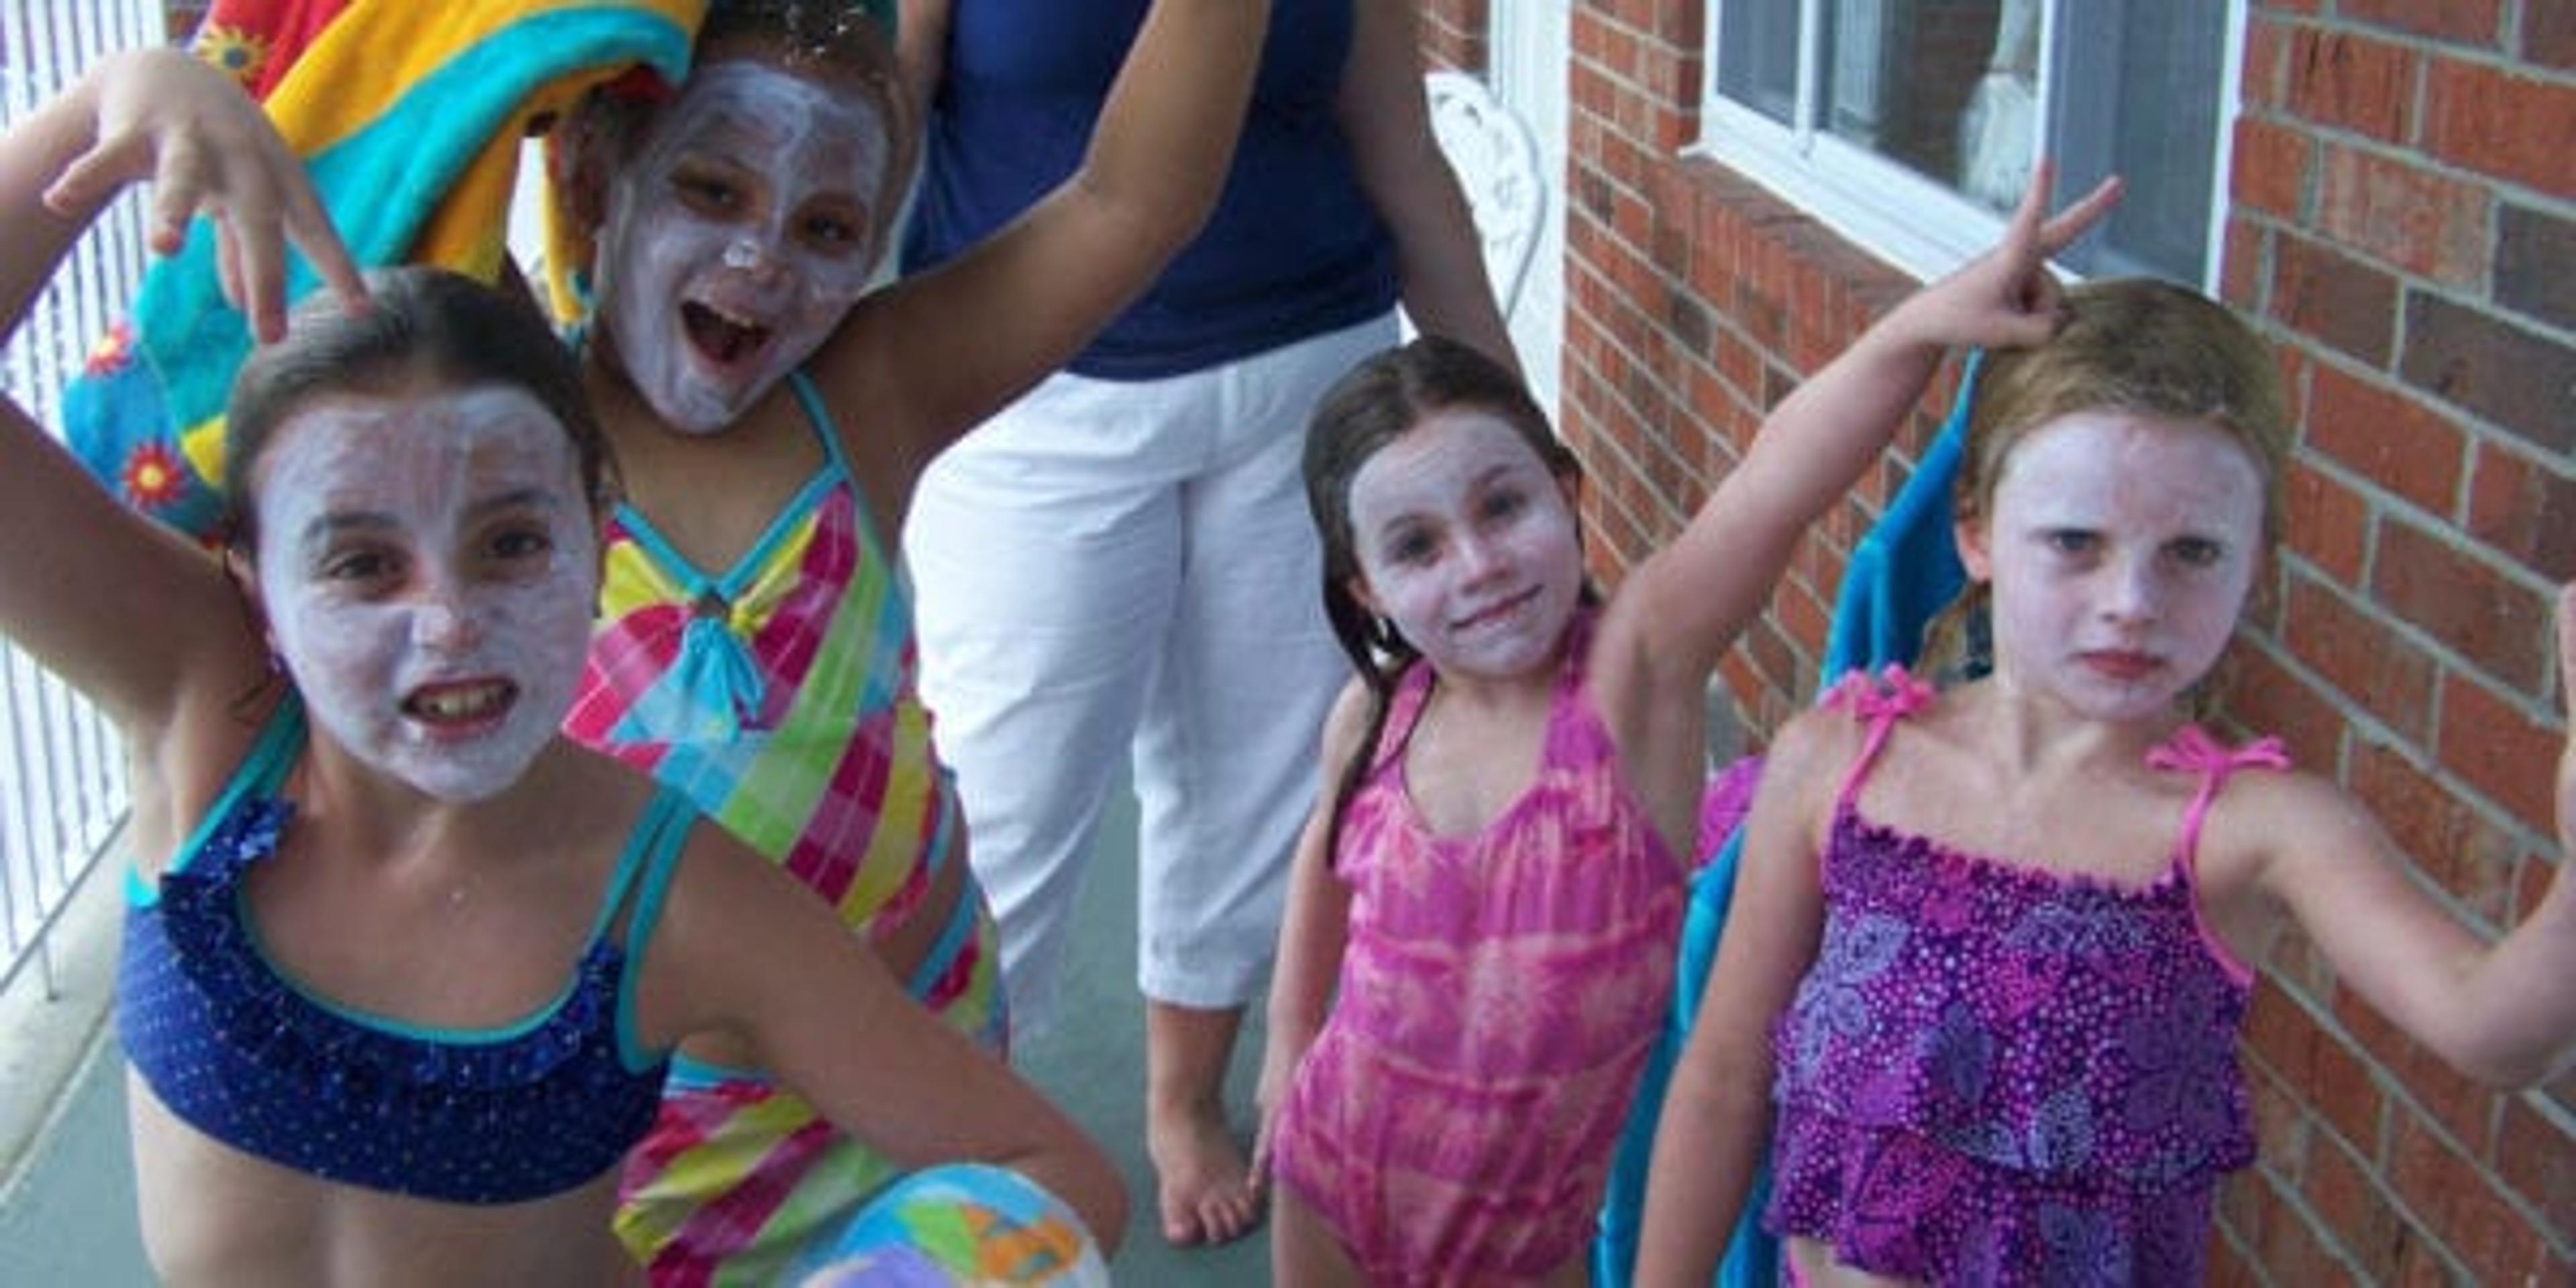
{"points": [[403, 966]]}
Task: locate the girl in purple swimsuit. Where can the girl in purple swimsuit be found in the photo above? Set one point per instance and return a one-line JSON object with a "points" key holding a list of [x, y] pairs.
{"points": [[1991, 947], [1484, 916]]}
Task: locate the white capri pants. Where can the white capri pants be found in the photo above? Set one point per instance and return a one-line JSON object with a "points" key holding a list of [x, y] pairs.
{"points": [[1110, 566]]}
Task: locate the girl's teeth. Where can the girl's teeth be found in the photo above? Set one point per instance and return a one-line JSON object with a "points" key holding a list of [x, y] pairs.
{"points": [[456, 704]]}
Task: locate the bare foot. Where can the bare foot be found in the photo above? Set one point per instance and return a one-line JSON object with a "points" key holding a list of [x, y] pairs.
{"points": [[1200, 1175]]}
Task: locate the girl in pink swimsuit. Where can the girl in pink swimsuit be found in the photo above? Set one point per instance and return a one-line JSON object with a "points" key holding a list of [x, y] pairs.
{"points": [[1992, 947], [1483, 919]]}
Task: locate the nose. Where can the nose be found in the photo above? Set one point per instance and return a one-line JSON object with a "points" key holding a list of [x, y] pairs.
{"points": [[441, 623], [2133, 592], [1479, 556], [755, 253]]}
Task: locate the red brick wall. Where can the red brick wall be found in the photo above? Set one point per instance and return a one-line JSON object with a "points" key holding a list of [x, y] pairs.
{"points": [[2404, 228], [1453, 33]]}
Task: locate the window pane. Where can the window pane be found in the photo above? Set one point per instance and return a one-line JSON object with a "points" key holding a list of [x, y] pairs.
{"points": [[1941, 87], [2135, 91], [1757, 56]]}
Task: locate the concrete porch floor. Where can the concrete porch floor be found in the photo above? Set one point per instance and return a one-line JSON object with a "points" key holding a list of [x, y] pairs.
{"points": [[67, 1212]]}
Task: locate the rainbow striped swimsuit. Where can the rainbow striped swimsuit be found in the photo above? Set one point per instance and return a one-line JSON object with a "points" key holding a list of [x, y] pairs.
{"points": [[779, 696]]}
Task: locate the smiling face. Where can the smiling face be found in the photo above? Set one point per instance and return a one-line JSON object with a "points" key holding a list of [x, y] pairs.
{"points": [[429, 567], [1468, 544], [737, 236], [2120, 547]]}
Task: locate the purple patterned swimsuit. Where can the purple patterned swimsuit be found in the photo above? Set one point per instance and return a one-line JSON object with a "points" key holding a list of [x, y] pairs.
{"points": [[1994, 1075]]}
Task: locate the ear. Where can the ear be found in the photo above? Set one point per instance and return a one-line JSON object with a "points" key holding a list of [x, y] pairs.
{"points": [[239, 566], [1975, 554], [1358, 587], [579, 160]]}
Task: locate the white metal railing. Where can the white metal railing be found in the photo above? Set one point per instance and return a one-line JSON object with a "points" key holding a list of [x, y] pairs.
{"points": [[62, 772]]}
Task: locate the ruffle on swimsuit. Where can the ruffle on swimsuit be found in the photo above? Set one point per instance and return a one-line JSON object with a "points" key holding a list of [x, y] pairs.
{"points": [[1995, 1075], [239, 1052]]}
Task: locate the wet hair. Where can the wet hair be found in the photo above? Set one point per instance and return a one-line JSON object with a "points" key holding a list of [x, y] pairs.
{"points": [[425, 326], [840, 44], [2133, 345], [1375, 403]]}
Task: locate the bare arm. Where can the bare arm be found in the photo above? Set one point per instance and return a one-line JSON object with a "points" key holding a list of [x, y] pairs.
{"points": [[1439, 257], [743, 950], [934, 354], [1716, 1118], [126, 611], [921, 51], [2502, 1012], [1684, 605], [1316, 928]]}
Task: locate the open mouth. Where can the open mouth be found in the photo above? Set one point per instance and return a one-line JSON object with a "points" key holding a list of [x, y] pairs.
{"points": [[461, 707], [723, 337]]}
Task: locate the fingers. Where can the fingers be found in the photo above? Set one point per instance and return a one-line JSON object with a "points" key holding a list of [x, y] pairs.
{"points": [[228, 274], [311, 228], [208, 149], [2078, 219], [2035, 234], [96, 176], [2030, 217]]}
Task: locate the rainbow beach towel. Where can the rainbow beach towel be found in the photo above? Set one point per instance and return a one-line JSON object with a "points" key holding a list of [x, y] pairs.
{"points": [[409, 116]]}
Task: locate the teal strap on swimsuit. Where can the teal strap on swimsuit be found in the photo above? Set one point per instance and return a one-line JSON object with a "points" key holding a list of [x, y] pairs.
{"points": [[715, 667], [263, 770]]}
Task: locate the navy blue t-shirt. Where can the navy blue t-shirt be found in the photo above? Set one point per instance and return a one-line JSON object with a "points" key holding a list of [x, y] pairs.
{"points": [[1294, 248]]}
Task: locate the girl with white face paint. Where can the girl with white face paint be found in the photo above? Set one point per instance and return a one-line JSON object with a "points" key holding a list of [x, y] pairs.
{"points": [[433, 578], [772, 415], [1990, 949], [738, 236], [1487, 904], [402, 965]]}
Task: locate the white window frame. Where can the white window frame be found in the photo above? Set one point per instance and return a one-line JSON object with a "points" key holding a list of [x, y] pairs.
{"points": [[1922, 226]]}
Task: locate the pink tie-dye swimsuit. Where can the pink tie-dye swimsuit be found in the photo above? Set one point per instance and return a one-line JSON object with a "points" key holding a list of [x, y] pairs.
{"points": [[1499, 993]]}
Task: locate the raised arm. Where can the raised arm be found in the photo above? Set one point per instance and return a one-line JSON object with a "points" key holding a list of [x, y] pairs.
{"points": [[119, 606], [1315, 930], [2504, 1012], [1439, 258], [742, 950], [1716, 1120], [921, 51], [1685, 604], [933, 355]]}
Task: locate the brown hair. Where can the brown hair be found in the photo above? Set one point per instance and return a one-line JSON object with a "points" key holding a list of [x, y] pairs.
{"points": [[1374, 404], [422, 322], [840, 44]]}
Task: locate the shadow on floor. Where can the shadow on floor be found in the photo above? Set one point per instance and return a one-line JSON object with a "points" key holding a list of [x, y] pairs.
{"points": [[70, 1220]]}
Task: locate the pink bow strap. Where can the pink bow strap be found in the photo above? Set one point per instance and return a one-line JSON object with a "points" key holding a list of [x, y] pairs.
{"points": [[2193, 749], [1892, 693]]}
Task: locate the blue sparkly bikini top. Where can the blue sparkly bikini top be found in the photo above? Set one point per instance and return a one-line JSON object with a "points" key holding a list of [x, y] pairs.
{"points": [[244, 1055]]}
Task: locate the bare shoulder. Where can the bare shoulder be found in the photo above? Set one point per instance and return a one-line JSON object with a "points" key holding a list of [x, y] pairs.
{"points": [[2268, 826], [1346, 724], [1808, 758]]}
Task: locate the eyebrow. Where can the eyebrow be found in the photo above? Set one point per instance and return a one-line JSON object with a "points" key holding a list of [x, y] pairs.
{"points": [[336, 522]]}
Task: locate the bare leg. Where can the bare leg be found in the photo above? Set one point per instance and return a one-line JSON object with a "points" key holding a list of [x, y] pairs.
{"points": [[1202, 1177], [1303, 1251]]}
